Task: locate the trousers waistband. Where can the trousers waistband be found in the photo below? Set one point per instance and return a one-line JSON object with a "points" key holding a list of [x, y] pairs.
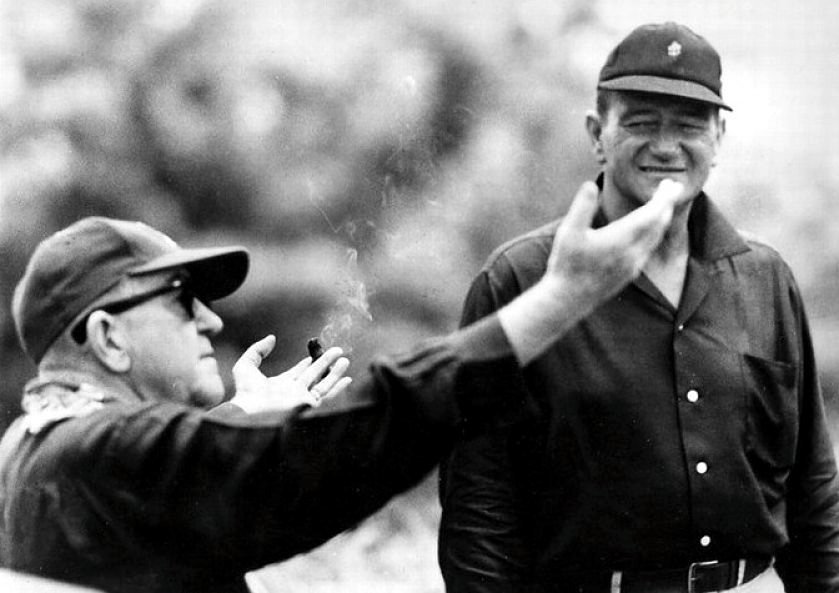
{"points": [[699, 577]]}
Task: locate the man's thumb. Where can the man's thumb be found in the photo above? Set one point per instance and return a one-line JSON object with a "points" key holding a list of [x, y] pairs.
{"points": [[582, 209], [254, 355]]}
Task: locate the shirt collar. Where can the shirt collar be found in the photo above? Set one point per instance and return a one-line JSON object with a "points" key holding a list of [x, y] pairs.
{"points": [[712, 237]]}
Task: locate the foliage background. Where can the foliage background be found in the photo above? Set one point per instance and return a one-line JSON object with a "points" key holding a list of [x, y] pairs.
{"points": [[370, 154]]}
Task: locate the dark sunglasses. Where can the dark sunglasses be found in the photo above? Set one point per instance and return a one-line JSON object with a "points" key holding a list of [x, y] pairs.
{"points": [[186, 298]]}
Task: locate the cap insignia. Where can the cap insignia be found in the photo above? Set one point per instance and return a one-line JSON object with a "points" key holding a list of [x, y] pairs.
{"points": [[674, 50]]}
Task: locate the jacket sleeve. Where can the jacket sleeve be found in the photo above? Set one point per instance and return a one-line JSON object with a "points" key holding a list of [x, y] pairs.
{"points": [[241, 493], [810, 563], [481, 545]]}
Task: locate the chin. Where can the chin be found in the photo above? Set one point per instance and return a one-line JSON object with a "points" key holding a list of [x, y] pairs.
{"points": [[208, 395]]}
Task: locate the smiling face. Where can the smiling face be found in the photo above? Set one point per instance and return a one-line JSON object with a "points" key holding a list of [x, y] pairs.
{"points": [[643, 138]]}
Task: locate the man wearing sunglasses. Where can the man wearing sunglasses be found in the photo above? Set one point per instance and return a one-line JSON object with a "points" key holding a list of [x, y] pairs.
{"points": [[117, 477], [207, 391]]}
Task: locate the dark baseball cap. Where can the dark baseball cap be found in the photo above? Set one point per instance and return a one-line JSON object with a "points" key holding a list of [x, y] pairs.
{"points": [[667, 59], [71, 269]]}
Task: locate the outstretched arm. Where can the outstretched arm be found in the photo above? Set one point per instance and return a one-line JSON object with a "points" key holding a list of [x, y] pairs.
{"points": [[586, 267]]}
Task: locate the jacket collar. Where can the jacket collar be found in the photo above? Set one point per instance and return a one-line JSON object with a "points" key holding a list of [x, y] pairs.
{"points": [[50, 400]]}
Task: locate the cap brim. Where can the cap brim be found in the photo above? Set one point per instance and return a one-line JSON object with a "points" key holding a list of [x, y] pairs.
{"points": [[664, 86], [214, 272]]}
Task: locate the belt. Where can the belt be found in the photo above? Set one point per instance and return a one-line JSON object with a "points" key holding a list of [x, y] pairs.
{"points": [[699, 577]]}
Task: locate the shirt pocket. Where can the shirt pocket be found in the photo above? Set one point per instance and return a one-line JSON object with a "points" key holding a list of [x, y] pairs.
{"points": [[772, 414]]}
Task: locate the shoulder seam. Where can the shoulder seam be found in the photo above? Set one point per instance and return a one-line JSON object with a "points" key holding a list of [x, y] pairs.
{"points": [[545, 231]]}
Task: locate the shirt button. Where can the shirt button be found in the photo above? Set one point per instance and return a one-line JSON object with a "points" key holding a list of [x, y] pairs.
{"points": [[680, 327], [705, 541], [692, 396], [701, 467]]}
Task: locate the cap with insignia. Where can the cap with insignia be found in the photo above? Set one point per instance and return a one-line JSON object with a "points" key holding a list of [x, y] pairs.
{"points": [[667, 59]]}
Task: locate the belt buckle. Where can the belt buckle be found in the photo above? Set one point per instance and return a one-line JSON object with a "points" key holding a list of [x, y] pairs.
{"points": [[692, 572]]}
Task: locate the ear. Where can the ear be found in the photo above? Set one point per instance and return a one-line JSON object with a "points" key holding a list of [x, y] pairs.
{"points": [[108, 341], [720, 129], [594, 127], [718, 136]]}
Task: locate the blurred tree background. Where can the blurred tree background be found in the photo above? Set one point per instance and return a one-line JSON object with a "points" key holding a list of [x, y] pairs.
{"points": [[370, 154]]}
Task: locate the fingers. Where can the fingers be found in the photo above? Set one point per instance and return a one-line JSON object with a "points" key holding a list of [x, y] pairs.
{"points": [[668, 189], [645, 226], [306, 382], [338, 388], [336, 372], [668, 195], [325, 382], [321, 392], [316, 369], [298, 369], [333, 384], [583, 207], [671, 191], [319, 367], [256, 353]]}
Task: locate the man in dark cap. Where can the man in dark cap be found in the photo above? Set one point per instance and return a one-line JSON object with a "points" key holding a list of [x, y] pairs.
{"points": [[675, 439], [116, 476]]}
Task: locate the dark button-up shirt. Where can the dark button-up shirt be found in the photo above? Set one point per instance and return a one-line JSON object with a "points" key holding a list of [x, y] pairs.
{"points": [[656, 436], [148, 497]]}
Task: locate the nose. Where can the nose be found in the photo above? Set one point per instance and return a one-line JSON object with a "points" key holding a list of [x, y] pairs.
{"points": [[666, 143], [206, 319]]}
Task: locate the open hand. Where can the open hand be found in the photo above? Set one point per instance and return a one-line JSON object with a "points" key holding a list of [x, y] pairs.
{"points": [[304, 383]]}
